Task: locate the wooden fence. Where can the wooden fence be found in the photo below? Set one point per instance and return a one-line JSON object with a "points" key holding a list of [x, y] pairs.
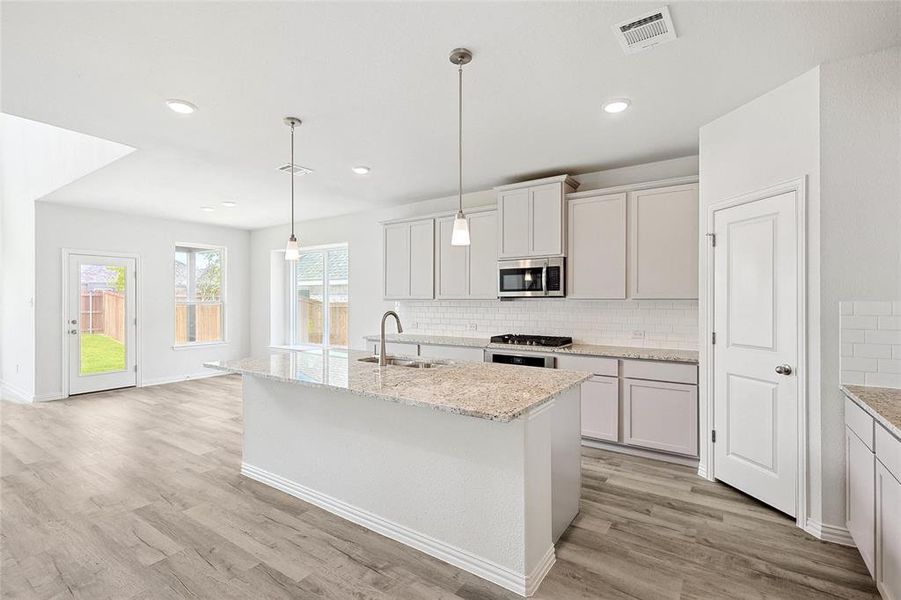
{"points": [[103, 312], [309, 322], [207, 322]]}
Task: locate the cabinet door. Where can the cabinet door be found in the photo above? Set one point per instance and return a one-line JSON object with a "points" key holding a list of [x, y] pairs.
{"points": [[483, 255], [596, 259], [452, 277], [600, 408], [397, 260], [860, 492], [546, 220], [422, 259], [888, 534], [662, 416], [513, 223], [663, 242]]}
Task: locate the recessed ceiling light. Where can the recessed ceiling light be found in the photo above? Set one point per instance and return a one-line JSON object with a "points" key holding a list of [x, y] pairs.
{"points": [[617, 106], [229, 204], [361, 170], [207, 208], [182, 107]]}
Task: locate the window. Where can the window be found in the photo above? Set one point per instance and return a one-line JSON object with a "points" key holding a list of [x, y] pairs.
{"points": [[199, 295], [317, 298]]}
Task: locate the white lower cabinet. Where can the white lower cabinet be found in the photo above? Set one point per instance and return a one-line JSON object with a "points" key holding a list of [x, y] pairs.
{"points": [[661, 416], [888, 533], [860, 501], [600, 408], [451, 352]]}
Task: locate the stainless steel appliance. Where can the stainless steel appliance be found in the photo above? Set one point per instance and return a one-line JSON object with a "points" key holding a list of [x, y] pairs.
{"points": [[507, 357], [547, 341], [531, 278]]}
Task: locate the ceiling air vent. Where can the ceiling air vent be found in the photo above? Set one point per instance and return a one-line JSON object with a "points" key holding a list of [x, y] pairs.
{"points": [[649, 30], [295, 170]]}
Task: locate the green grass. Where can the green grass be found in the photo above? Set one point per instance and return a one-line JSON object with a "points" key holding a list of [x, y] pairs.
{"points": [[101, 353]]}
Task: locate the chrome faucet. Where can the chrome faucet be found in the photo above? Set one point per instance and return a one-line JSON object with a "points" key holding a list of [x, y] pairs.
{"points": [[383, 359]]}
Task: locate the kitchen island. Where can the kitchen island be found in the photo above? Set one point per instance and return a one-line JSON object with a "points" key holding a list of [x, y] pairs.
{"points": [[473, 463]]}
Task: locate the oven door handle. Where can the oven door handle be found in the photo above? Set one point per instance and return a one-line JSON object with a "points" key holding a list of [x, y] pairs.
{"points": [[544, 278]]}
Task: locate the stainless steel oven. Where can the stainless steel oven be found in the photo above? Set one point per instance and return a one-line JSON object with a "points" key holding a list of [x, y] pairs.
{"points": [[505, 357], [531, 278]]}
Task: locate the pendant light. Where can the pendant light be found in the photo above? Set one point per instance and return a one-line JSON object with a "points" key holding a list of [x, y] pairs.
{"points": [[460, 235], [292, 251]]}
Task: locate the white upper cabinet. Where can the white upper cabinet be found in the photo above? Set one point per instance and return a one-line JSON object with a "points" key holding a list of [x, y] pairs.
{"points": [[596, 259], [531, 217], [467, 271], [663, 242], [409, 260]]}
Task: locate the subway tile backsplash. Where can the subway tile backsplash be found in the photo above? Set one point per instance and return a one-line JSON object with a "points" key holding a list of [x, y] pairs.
{"points": [[647, 323], [871, 343]]}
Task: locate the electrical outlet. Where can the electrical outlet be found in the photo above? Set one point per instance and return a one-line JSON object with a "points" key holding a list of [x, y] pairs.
{"points": [[415, 325], [473, 326], [638, 334]]}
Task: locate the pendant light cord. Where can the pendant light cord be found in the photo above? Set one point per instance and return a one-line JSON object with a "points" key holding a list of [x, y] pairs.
{"points": [[291, 172], [460, 133]]}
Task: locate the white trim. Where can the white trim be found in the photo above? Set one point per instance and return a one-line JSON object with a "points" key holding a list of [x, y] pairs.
{"points": [[522, 584], [49, 397], [181, 378], [482, 208], [190, 345], [686, 461], [139, 337], [14, 394], [566, 180], [633, 187], [829, 533], [706, 405]]}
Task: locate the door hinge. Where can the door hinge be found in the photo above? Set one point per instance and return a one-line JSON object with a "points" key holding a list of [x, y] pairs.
{"points": [[713, 435], [713, 338], [712, 237]]}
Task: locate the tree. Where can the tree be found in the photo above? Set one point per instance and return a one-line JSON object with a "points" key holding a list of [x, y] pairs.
{"points": [[210, 280], [119, 282]]}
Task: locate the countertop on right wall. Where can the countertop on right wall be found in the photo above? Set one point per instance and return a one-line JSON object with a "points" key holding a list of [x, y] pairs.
{"points": [[883, 404]]}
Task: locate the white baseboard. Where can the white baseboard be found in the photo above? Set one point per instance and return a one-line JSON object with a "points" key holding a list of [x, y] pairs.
{"points": [[164, 380], [829, 533], [614, 447], [49, 397], [14, 394], [522, 584]]}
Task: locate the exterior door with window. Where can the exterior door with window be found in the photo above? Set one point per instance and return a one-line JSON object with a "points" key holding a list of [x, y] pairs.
{"points": [[101, 326]]}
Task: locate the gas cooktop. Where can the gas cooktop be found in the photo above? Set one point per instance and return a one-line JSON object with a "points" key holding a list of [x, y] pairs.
{"points": [[550, 341]]}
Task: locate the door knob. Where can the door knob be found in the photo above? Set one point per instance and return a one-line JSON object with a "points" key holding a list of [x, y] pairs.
{"points": [[784, 370]]}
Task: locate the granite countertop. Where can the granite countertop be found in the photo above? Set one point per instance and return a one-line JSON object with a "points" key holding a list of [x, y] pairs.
{"points": [[883, 404], [476, 389], [662, 354]]}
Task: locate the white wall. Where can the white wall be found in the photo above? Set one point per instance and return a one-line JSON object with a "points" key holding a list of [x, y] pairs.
{"points": [[840, 125], [59, 226], [363, 234], [35, 159]]}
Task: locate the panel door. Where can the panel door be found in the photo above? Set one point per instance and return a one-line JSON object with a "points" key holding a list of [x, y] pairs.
{"points": [[101, 325], [453, 271], [663, 242], [888, 534], [546, 222], [596, 262], [422, 259], [860, 496], [662, 416], [483, 255], [600, 408], [513, 223], [397, 260], [756, 325]]}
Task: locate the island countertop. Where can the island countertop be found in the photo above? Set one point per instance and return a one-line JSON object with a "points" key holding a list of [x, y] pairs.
{"points": [[482, 390]]}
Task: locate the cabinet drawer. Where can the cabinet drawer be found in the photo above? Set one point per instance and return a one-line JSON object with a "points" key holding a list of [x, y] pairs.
{"points": [[859, 422], [888, 451], [662, 416], [661, 371], [592, 364]]}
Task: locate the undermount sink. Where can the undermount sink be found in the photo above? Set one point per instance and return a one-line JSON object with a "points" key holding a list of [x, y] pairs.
{"points": [[405, 362]]}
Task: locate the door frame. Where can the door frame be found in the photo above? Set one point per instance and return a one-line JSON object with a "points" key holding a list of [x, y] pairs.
{"points": [[707, 466], [64, 335]]}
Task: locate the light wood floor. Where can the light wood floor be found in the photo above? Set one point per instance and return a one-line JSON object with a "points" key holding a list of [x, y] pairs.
{"points": [[136, 494]]}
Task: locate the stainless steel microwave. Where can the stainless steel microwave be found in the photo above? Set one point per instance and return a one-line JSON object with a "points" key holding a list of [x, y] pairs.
{"points": [[531, 278]]}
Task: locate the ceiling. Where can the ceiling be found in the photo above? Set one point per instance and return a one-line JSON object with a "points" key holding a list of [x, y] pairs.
{"points": [[373, 85]]}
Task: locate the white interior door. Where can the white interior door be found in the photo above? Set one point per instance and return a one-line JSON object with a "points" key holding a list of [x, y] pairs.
{"points": [[756, 350], [101, 326]]}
